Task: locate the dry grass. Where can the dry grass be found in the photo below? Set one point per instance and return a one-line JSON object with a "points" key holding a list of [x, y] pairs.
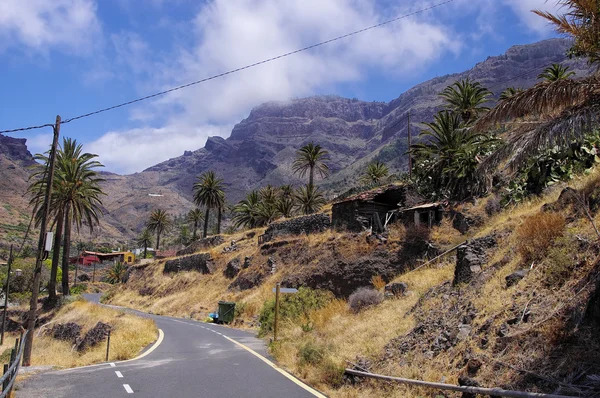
{"points": [[537, 233], [130, 334]]}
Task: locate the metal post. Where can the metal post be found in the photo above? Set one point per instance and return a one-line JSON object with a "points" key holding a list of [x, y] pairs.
{"points": [[10, 260], [41, 244], [277, 287], [108, 345], [94, 273]]}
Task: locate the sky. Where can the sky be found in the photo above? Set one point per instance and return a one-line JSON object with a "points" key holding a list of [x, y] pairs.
{"points": [[70, 57]]}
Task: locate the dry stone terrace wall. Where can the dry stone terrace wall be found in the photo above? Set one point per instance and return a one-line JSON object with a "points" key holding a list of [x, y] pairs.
{"points": [[297, 226], [202, 244], [198, 262]]}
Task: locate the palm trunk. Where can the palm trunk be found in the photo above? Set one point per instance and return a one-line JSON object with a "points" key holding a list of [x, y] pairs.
{"points": [[194, 235], [66, 252], [157, 239], [219, 222], [311, 176], [145, 249], [55, 256], [206, 222]]}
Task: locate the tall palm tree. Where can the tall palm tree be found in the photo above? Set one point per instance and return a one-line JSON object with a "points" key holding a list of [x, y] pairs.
{"points": [[375, 172], [556, 72], [561, 112], [158, 222], [467, 98], [195, 217], [75, 200], [208, 192], [309, 158], [144, 240], [310, 199]]}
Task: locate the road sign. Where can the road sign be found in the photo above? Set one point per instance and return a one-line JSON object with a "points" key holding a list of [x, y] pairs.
{"points": [[285, 290]]}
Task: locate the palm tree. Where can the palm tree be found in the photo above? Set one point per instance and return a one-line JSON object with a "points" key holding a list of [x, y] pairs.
{"points": [[245, 212], [195, 216], [159, 222], [556, 72], [375, 172], [144, 240], [208, 192], [310, 199], [285, 202], [309, 158], [509, 92], [75, 200], [466, 98], [561, 112]]}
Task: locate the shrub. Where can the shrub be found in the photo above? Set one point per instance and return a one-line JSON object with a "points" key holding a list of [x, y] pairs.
{"points": [[364, 297], [537, 233], [116, 273], [240, 308], [331, 373], [559, 262], [311, 353], [78, 289], [292, 306]]}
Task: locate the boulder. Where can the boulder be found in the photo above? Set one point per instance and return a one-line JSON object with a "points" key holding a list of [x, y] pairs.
{"points": [[396, 289], [84, 278], [515, 277], [202, 244], [198, 262], [233, 268], [94, 336]]}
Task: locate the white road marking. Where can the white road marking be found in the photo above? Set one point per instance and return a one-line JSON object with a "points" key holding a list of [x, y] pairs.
{"points": [[128, 389], [112, 365], [119, 374]]}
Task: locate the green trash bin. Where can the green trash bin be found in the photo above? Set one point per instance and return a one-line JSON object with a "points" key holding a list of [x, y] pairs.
{"points": [[226, 311]]}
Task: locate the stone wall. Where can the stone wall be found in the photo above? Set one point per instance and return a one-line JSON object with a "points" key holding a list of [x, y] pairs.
{"points": [[298, 226], [202, 244], [198, 262]]}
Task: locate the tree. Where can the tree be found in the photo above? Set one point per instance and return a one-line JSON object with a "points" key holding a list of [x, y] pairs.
{"points": [[509, 92], [309, 158], [75, 200], [310, 199], [144, 240], [245, 212], [466, 98], [556, 72], [375, 172], [285, 202], [195, 217], [208, 192], [560, 112], [159, 222]]}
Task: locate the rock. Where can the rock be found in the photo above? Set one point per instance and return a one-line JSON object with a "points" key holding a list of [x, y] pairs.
{"points": [[515, 277], [473, 366], [463, 332], [567, 197], [247, 280], [198, 262], [298, 226], [233, 268], [271, 265], [469, 382], [470, 257], [396, 288], [84, 278], [503, 330], [592, 314], [66, 332], [202, 244], [463, 223], [94, 336], [247, 262]]}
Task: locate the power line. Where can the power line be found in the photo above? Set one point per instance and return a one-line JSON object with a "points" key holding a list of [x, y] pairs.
{"points": [[238, 69]]}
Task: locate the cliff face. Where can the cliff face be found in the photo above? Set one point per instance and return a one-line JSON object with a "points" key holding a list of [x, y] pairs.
{"points": [[261, 148]]}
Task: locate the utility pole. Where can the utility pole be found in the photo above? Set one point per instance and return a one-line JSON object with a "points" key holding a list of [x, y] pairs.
{"points": [[10, 260], [41, 245], [409, 143]]}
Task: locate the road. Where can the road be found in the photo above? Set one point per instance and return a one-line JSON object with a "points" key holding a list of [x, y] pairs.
{"points": [[193, 360]]}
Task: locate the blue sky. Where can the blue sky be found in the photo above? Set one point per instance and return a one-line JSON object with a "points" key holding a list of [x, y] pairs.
{"points": [[70, 57]]}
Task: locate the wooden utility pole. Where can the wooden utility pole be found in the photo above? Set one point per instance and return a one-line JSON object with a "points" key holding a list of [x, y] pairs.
{"points": [[276, 323], [409, 135], [41, 245], [10, 260]]}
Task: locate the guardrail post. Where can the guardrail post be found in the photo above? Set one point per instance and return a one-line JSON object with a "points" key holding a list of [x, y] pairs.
{"points": [[108, 345]]}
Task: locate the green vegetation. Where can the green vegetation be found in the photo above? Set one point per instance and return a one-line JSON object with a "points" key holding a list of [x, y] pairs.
{"points": [[195, 216], [556, 72], [309, 158], [375, 173], [208, 192], [159, 222], [144, 240]]}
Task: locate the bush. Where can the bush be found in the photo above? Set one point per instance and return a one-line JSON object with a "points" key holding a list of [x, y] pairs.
{"points": [[78, 289], [311, 353], [292, 306], [537, 233], [364, 297], [331, 373]]}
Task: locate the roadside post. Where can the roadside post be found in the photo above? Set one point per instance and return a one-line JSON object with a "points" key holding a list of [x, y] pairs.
{"points": [[107, 345], [277, 290], [10, 260]]}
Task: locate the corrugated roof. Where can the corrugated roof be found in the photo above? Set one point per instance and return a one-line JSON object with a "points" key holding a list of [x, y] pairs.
{"points": [[424, 206]]}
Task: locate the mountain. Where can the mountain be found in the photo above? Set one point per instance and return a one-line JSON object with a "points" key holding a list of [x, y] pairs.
{"points": [[261, 148]]}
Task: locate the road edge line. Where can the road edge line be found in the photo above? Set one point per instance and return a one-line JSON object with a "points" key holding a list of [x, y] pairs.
{"points": [[280, 370]]}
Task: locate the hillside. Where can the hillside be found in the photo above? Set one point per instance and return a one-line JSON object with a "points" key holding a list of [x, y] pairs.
{"points": [[261, 148], [515, 307]]}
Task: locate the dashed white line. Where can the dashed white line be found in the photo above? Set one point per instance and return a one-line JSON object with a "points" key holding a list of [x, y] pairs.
{"points": [[119, 374], [112, 365], [128, 389]]}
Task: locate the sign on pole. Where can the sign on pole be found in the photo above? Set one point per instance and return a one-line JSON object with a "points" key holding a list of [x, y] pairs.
{"points": [[285, 290]]}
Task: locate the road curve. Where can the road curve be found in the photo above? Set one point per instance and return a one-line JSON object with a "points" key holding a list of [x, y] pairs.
{"points": [[194, 360]]}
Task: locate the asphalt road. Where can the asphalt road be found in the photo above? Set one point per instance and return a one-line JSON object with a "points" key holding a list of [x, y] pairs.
{"points": [[194, 360]]}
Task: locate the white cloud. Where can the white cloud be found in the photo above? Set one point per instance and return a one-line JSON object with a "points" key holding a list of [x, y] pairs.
{"points": [[229, 35], [39, 143], [523, 10], [38, 25]]}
